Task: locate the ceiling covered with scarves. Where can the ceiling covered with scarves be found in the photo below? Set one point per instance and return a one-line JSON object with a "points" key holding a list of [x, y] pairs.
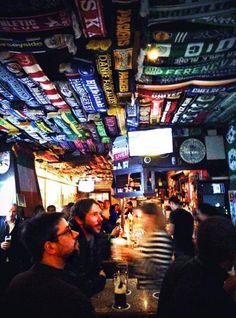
{"points": [[75, 75]]}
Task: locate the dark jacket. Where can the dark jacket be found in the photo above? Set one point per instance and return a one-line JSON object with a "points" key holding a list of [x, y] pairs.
{"points": [[192, 288], [44, 291], [87, 263], [16, 259]]}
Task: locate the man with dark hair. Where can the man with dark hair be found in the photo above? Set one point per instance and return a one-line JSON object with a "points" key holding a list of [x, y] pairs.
{"points": [[128, 208], [205, 211], [181, 226], [13, 256], [87, 264], [194, 287], [46, 289]]}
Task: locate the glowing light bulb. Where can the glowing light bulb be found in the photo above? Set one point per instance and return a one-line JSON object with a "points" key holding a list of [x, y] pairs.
{"points": [[152, 54]]}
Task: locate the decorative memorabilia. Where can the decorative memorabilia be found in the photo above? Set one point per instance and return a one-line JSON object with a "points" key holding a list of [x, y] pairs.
{"points": [[192, 150], [231, 134], [232, 159], [4, 161]]}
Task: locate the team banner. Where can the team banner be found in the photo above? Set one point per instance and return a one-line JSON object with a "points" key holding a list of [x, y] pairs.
{"points": [[92, 130], [34, 71], [5, 91], [91, 17], [104, 67], [183, 85], [39, 44], [216, 68], [195, 49], [125, 19], [120, 115], [87, 84], [111, 126], [16, 87], [169, 108], [132, 114], [71, 136], [74, 125], [69, 96], [75, 81], [17, 71], [180, 61], [189, 32], [188, 9], [226, 20], [102, 131], [44, 22]]}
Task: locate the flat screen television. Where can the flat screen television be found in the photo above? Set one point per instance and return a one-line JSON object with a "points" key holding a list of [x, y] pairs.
{"points": [[151, 142]]}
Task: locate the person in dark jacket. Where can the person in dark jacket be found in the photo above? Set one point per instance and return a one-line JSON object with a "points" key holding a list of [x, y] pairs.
{"points": [[87, 264], [13, 256], [197, 287], [46, 289]]}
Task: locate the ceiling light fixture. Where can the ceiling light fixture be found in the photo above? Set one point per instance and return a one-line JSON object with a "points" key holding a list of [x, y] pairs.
{"points": [[152, 53]]}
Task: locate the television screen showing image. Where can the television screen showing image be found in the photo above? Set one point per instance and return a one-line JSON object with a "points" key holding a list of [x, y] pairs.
{"points": [[150, 142]]}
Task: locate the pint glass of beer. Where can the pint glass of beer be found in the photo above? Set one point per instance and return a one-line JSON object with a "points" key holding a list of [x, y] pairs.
{"points": [[120, 288]]}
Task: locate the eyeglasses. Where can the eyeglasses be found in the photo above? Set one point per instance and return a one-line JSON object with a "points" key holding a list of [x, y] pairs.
{"points": [[67, 230]]}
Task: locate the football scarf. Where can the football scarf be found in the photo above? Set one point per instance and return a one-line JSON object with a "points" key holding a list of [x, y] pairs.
{"points": [[17, 88], [91, 17], [32, 68]]}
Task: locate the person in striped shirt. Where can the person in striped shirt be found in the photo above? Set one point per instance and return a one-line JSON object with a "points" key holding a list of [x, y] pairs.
{"points": [[154, 255]]}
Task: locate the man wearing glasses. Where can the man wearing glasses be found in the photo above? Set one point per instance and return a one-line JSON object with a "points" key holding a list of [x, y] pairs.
{"points": [[87, 264], [46, 289]]}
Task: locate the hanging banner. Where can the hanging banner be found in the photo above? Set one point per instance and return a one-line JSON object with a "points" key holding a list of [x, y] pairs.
{"points": [[169, 61], [225, 20], [189, 32], [39, 44], [18, 72], [104, 67], [123, 41], [69, 96], [83, 72], [222, 67], [91, 17], [37, 23], [194, 49], [169, 108], [17, 88], [188, 10], [32, 68], [111, 126], [6, 93]]}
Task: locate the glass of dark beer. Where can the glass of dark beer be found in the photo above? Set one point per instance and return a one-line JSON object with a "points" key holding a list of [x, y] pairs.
{"points": [[120, 288]]}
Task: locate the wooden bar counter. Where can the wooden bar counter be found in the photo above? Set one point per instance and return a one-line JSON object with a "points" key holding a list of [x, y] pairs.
{"points": [[142, 303]]}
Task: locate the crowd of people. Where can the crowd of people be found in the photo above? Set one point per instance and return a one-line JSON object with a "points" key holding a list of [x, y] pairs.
{"points": [[60, 256]]}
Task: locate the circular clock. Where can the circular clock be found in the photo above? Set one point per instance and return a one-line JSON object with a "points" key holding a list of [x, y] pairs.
{"points": [[4, 161], [192, 150]]}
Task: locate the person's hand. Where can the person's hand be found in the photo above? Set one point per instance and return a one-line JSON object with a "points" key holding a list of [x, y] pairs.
{"points": [[102, 273], [128, 254], [116, 231], [5, 245]]}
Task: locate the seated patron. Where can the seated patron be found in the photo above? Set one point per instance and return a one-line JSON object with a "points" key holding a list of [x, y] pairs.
{"points": [[87, 264], [46, 289], [201, 286]]}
